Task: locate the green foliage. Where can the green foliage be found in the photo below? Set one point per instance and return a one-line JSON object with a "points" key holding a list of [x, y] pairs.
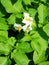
{"points": [[26, 47], [12, 19], [3, 24], [23, 47], [26, 38], [44, 1], [32, 12], [46, 29], [27, 2], [38, 58], [44, 63], [1, 15], [24, 60], [18, 6], [8, 6], [38, 43], [5, 61], [42, 13]]}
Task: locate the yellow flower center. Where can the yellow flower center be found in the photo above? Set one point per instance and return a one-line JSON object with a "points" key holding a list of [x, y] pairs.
{"points": [[19, 29], [27, 19]]}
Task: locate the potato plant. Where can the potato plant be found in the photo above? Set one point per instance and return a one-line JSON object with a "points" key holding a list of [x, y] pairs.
{"points": [[24, 32]]}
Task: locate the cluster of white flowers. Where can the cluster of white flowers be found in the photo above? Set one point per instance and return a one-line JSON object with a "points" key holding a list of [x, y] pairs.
{"points": [[28, 21]]}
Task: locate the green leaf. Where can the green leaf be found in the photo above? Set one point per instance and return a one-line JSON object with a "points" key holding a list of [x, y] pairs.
{"points": [[12, 41], [35, 1], [46, 29], [42, 13], [27, 2], [4, 34], [18, 6], [32, 12], [5, 61], [44, 1], [3, 27], [8, 5], [27, 37], [37, 58], [3, 24], [11, 19], [44, 63], [3, 39], [19, 57], [35, 45], [5, 48], [18, 15], [25, 46], [38, 43], [3, 21]]}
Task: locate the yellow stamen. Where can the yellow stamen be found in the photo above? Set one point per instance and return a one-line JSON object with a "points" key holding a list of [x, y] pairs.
{"points": [[19, 29], [27, 19]]}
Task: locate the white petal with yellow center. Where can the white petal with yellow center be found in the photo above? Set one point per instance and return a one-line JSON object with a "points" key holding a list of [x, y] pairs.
{"points": [[27, 19], [17, 27]]}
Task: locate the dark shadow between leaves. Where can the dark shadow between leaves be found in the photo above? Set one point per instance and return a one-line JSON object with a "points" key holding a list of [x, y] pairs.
{"points": [[47, 53], [14, 1], [24, 6], [34, 5], [30, 55], [42, 34], [13, 62], [2, 9], [31, 63]]}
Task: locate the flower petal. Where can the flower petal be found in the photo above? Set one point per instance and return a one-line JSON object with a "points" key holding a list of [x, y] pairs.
{"points": [[26, 15]]}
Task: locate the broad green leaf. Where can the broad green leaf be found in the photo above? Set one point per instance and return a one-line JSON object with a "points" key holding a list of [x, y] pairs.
{"points": [[11, 19], [6, 45], [8, 5], [3, 24], [18, 15], [32, 12], [4, 33], [42, 13], [38, 43], [3, 39], [3, 21], [19, 57], [3, 27], [12, 41], [37, 58], [27, 2], [26, 37], [5, 48], [4, 61], [18, 6], [25, 46], [46, 29], [44, 63], [35, 45]]}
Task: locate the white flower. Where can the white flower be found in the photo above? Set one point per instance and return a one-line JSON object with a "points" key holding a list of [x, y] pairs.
{"points": [[27, 19], [18, 27], [27, 28]]}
